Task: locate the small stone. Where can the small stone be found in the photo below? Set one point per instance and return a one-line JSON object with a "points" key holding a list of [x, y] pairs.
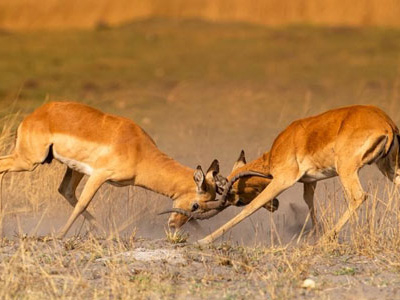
{"points": [[308, 284]]}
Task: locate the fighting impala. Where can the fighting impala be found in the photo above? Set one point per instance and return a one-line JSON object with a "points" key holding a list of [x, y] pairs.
{"points": [[110, 149], [338, 142]]}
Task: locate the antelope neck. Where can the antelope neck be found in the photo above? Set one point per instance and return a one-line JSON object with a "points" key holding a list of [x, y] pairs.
{"points": [[162, 174]]}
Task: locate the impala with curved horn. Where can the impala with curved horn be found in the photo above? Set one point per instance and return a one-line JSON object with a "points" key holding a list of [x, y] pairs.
{"points": [[212, 208], [107, 148], [338, 142]]}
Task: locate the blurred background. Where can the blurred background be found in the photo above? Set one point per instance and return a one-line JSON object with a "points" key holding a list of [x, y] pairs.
{"points": [[205, 78]]}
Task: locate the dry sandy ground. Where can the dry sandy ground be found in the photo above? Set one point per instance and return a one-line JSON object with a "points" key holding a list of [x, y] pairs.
{"points": [[154, 269]]}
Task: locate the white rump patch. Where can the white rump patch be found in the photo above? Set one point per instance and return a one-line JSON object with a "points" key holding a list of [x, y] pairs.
{"points": [[74, 164]]}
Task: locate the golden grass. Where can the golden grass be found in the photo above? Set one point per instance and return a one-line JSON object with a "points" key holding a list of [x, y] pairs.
{"points": [[56, 14]]}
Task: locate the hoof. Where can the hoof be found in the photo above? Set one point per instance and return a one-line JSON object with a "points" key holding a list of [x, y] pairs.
{"points": [[60, 236], [204, 242]]}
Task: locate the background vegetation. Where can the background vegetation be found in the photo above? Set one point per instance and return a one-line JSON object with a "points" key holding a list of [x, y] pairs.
{"points": [[61, 14]]}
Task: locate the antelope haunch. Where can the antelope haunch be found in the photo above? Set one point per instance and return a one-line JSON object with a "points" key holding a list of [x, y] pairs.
{"points": [[338, 142], [109, 149]]}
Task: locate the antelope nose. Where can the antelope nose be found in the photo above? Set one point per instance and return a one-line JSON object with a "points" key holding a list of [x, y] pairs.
{"points": [[171, 224]]}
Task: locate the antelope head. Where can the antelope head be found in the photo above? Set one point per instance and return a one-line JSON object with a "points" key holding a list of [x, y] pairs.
{"points": [[204, 204], [200, 203], [245, 184]]}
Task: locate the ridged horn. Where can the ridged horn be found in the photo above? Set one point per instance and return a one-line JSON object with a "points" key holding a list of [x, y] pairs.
{"points": [[222, 201], [177, 210]]}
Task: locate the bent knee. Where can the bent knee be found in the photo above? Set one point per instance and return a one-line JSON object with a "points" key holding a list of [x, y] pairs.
{"points": [[61, 190], [358, 200]]}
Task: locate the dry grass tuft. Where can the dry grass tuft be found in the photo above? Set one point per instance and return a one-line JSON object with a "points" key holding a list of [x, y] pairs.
{"points": [[176, 236]]}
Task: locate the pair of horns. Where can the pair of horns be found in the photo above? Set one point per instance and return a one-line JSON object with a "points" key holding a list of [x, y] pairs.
{"points": [[222, 201], [201, 215], [213, 208]]}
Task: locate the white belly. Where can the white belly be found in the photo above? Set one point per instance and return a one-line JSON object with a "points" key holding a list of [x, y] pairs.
{"points": [[74, 164]]}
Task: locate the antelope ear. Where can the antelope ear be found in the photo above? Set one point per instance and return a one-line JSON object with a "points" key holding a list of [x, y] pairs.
{"points": [[220, 183], [240, 162], [213, 170], [200, 179]]}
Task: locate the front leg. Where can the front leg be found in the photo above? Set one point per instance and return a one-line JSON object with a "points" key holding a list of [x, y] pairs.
{"points": [[270, 192], [92, 185], [309, 190], [67, 189], [355, 195]]}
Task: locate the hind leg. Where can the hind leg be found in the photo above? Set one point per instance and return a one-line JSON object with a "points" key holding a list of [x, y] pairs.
{"points": [[348, 175], [389, 170], [68, 187], [32, 147], [309, 189], [30, 150], [14, 163], [390, 164]]}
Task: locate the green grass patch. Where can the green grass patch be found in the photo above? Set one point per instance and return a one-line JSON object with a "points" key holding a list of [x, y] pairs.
{"points": [[78, 64]]}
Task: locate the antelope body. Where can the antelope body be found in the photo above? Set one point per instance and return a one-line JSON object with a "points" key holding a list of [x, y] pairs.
{"points": [[109, 149], [338, 142]]}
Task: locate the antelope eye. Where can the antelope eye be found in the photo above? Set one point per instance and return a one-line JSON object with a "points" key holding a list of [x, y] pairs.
{"points": [[195, 206]]}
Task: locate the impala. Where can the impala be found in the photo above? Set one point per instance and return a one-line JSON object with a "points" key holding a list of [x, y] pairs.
{"points": [[338, 142], [109, 149]]}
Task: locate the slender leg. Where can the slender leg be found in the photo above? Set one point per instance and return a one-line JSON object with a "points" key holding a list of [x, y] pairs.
{"points": [[92, 185], [309, 189], [355, 194], [270, 192], [68, 187], [11, 163]]}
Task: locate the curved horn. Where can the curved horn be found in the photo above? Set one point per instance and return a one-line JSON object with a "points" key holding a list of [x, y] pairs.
{"points": [[215, 207], [177, 210], [222, 201], [203, 215], [213, 204], [208, 214]]}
